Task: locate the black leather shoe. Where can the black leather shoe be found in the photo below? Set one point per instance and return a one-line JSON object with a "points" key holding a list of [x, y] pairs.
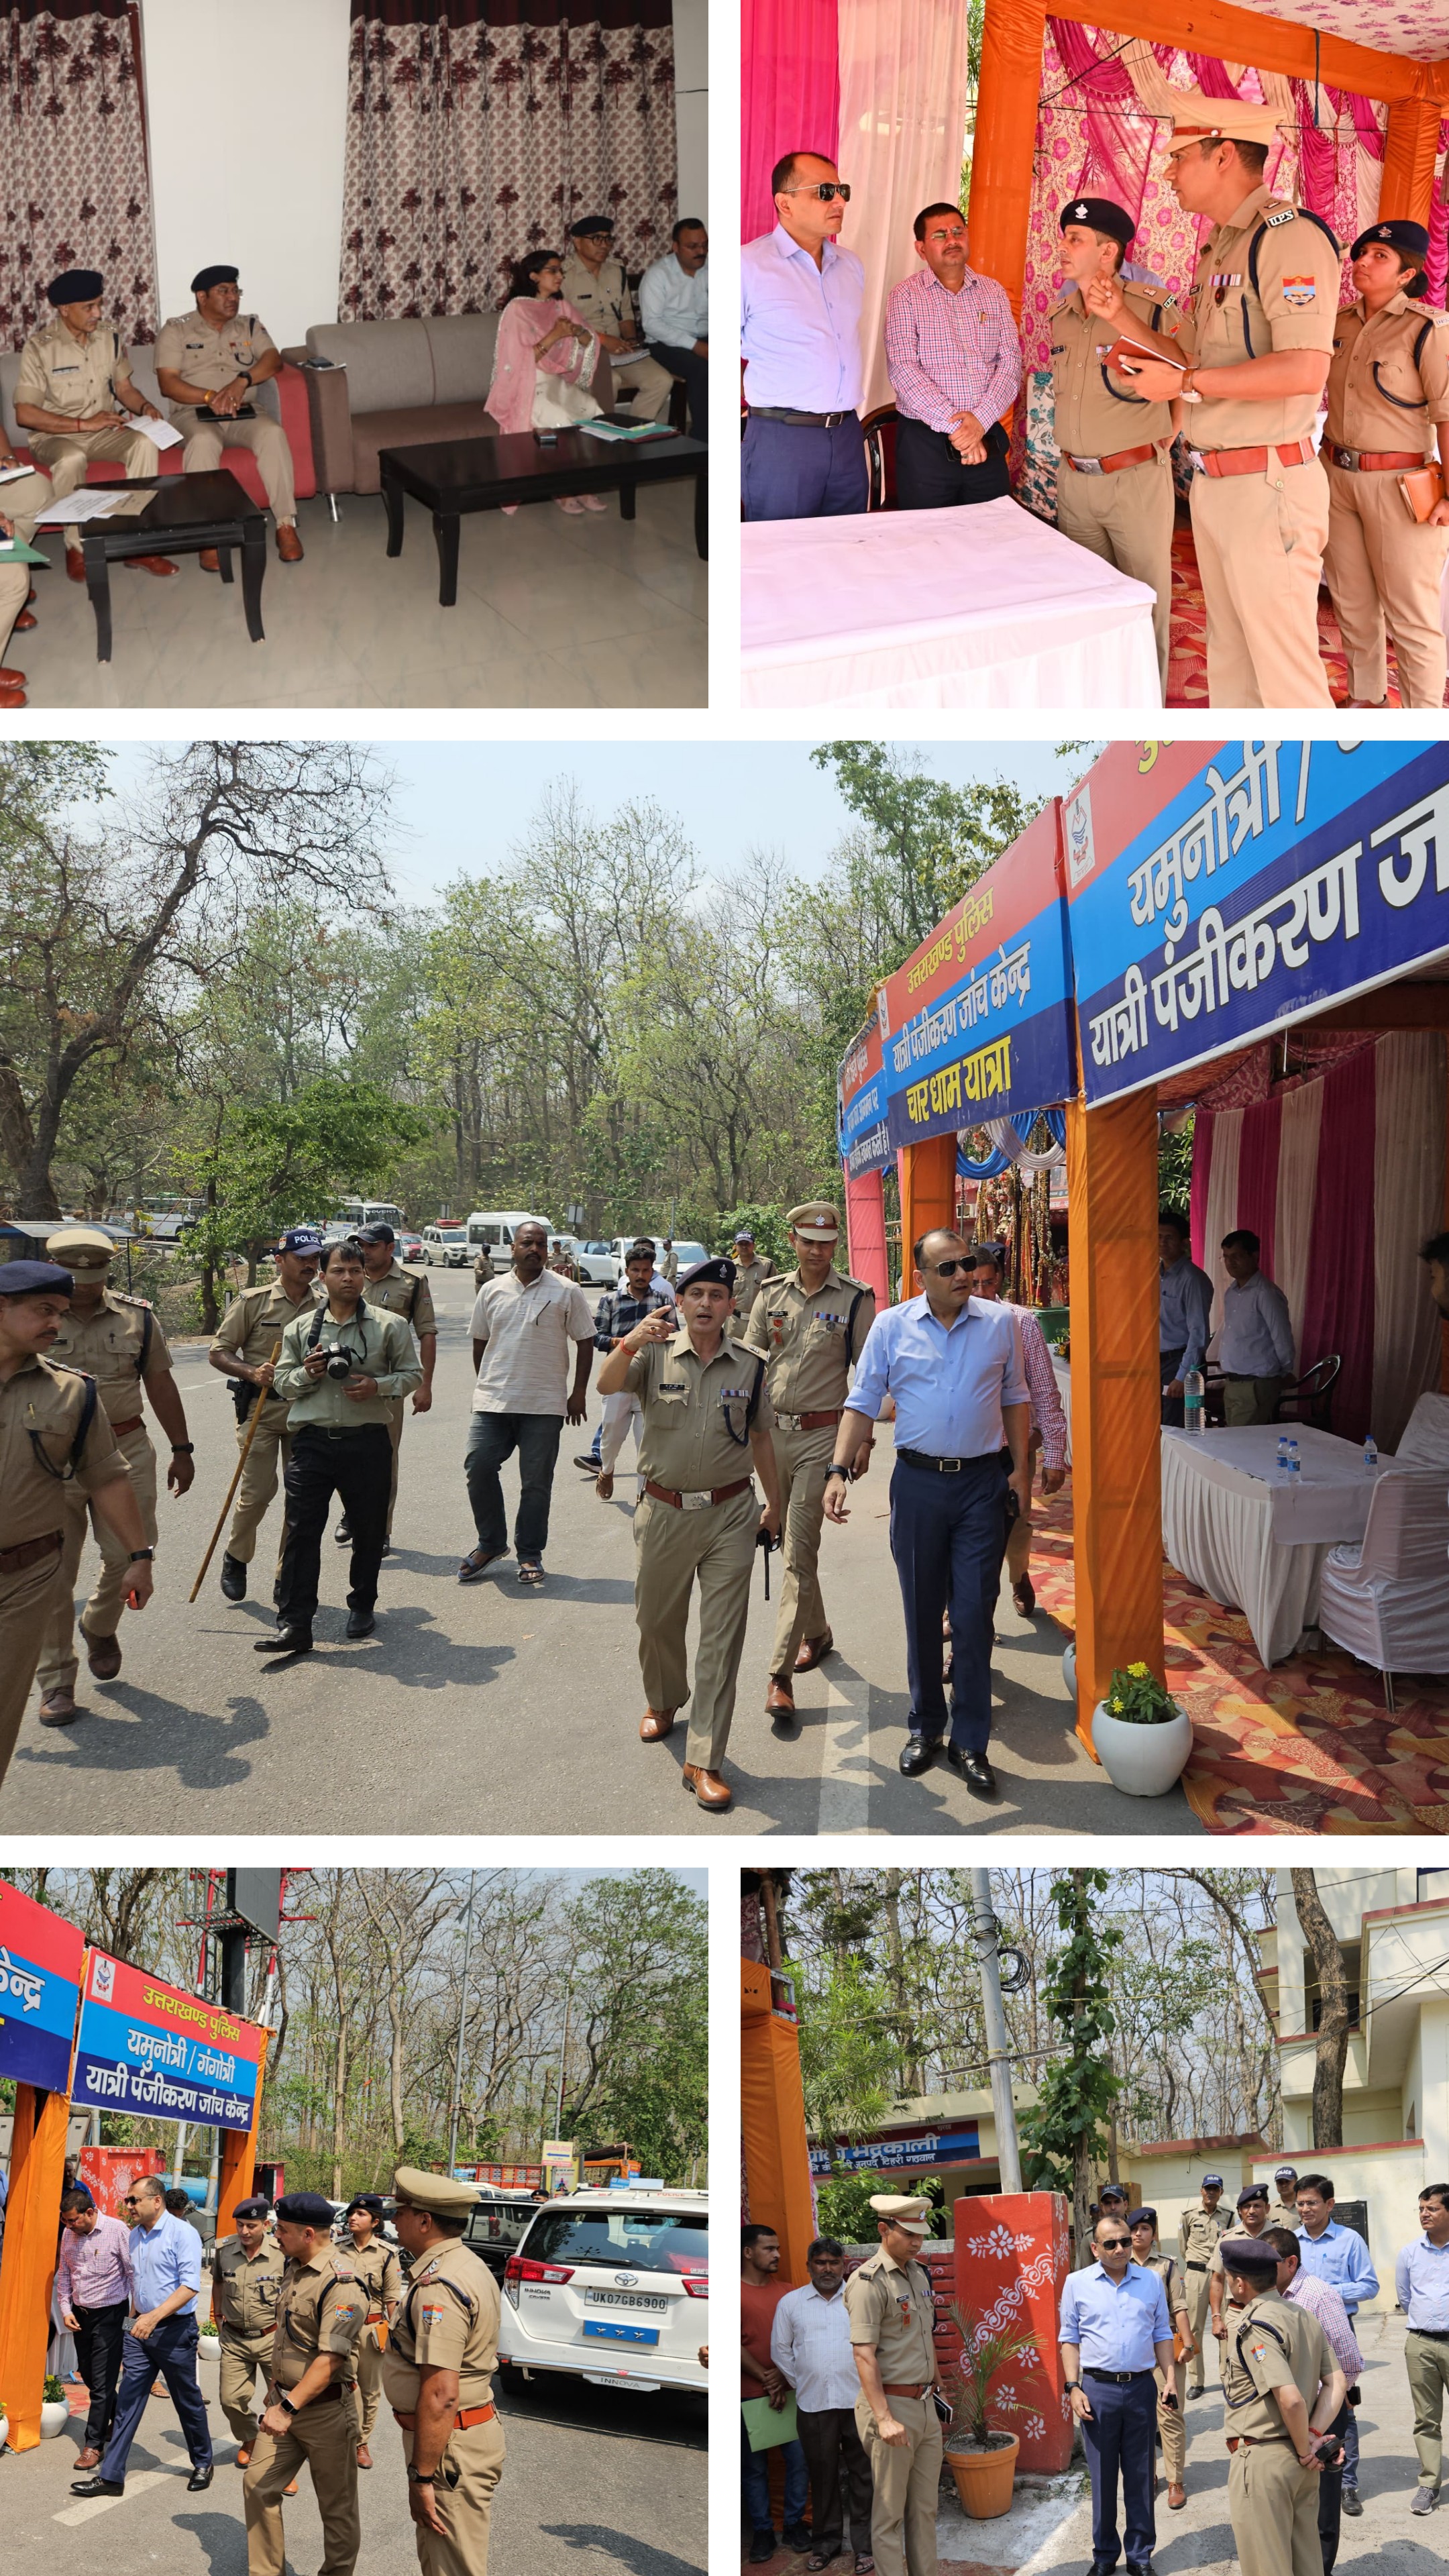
{"points": [[360, 1623], [343, 1534], [918, 1754], [974, 1769], [200, 2478], [287, 1641], [233, 1578], [97, 2486]]}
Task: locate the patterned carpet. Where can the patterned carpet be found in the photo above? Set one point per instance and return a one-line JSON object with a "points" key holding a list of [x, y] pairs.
{"points": [[1306, 1748], [1187, 657]]}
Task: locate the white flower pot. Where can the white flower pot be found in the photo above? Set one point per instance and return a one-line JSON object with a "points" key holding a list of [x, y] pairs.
{"points": [[1142, 1761], [1069, 1670], [4, 2431], [54, 2417]]}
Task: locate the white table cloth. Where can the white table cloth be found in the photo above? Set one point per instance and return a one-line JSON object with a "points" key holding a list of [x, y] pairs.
{"points": [[1252, 1538], [980, 607]]}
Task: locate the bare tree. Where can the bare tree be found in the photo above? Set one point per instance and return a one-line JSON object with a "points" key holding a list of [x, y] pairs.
{"points": [[1331, 2051]]}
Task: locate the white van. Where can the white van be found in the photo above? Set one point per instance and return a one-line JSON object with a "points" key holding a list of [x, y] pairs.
{"points": [[493, 1229], [360, 1212], [613, 2287]]}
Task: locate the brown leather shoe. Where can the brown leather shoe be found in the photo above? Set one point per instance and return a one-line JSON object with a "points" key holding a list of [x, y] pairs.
{"points": [[57, 1708], [103, 1654], [813, 1651], [364, 2456], [780, 1697], [209, 559], [655, 1724], [706, 1787], [149, 563], [243, 2455], [24, 622], [1024, 1597], [87, 2459], [75, 563], [11, 697], [12, 679], [289, 544], [1176, 2498], [290, 2490]]}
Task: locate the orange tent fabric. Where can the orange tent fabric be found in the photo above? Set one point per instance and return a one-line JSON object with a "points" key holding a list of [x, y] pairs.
{"points": [[772, 2105]]}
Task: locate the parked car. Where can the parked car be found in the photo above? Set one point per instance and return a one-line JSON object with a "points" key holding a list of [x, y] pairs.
{"points": [[409, 1246], [688, 1253], [445, 1245], [612, 2287], [594, 1262], [497, 2226]]}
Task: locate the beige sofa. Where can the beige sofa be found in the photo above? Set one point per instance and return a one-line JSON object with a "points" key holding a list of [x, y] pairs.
{"points": [[400, 384]]}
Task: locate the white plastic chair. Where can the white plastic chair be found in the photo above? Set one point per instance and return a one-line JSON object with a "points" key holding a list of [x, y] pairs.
{"points": [[1425, 1438], [1387, 1601]]}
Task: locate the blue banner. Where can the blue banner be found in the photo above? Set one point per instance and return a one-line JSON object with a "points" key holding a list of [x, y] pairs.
{"points": [[887, 2155], [146, 2046]]}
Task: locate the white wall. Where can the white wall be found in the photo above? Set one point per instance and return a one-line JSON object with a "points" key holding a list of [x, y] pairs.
{"points": [[247, 111], [691, 100]]}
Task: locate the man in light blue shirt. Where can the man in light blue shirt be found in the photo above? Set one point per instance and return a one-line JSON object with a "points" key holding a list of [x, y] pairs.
{"points": [[674, 316], [160, 2341], [1421, 2278], [1184, 1314], [1255, 1336], [801, 298], [953, 1364], [1336, 2254], [1115, 2335]]}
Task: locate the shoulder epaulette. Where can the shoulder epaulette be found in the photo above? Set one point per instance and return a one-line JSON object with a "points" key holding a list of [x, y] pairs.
{"points": [[67, 1368], [125, 1297]]}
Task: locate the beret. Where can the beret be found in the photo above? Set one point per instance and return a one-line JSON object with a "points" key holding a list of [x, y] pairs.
{"points": [[376, 1234], [590, 224], [257, 2207], [1135, 2217], [30, 1278], [81, 1247], [1100, 215], [219, 275], [716, 1273], [1248, 2254], [438, 2194], [1252, 2191], [75, 286], [305, 2209], [1397, 234], [368, 2200]]}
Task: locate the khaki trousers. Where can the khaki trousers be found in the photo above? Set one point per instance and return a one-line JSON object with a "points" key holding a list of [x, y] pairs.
{"points": [[1382, 565], [368, 2394], [1127, 519], [101, 1617], [266, 1461], [25, 1603], [323, 2440], [673, 1550], [242, 2358], [1260, 541], [655, 385], [906, 2485], [801, 1458], [1426, 2364], [1251, 1399], [1200, 2319], [19, 503], [65, 457], [478, 2456], [267, 440], [1273, 2505], [1173, 2432]]}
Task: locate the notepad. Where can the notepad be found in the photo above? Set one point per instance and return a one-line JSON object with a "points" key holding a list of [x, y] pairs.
{"points": [[1125, 349], [15, 473], [15, 550], [162, 433]]}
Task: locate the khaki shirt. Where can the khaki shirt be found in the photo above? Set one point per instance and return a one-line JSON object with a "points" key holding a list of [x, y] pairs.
{"points": [[448, 2321], [403, 1293], [604, 302], [1096, 413], [1198, 2231], [74, 377], [809, 1342], [384, 1350], [255, 1321], [1215, 2259], [893, 2309], [1271, 2344], [1174, 2288], [1380, 397], [109, 1345], [693, 1436], [194, 349], [48, 1401], [750, 1277], [245, 2286], [1226, 323], [321, 2307], [378, 2268]]}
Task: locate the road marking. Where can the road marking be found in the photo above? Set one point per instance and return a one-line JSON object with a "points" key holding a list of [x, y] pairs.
{"points": [[845, 1765], [102, 2504]]}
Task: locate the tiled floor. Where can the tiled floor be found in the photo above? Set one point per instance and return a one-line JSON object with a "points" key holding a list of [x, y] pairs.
{"points": [[552, 611]]}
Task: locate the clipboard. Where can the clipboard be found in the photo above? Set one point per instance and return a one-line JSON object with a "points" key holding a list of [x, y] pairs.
{"points": [[1125, 349], [767, 2425]]}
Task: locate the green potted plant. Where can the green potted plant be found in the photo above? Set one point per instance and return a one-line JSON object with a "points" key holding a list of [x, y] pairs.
{"points": [[54, 2408], [1141, 1734], [980, 2455]]}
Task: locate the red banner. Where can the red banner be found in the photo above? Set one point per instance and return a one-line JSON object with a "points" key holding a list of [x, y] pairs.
{"points": [[110, 2172], [1011, 2268]]}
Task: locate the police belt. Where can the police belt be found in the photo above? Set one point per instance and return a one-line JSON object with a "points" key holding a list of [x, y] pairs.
{"points": [[808, 1421], [697, 1501], [1196, 2267], [1252, 460], [1115, 464], [29, 1551], [320, 2396], [1359, 460], [1258, 2441], [467, 2416], [120, 1429], [901, 2388], [1118, 2378]]}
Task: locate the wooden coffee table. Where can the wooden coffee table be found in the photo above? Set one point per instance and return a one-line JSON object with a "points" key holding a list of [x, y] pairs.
{"points": [[462, 474], [190, 511]]}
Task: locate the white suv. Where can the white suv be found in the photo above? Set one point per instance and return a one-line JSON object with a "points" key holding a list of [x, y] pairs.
{"points": [[612, 2287]]}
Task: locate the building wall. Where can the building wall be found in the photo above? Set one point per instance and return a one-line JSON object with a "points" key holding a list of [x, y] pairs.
{"points": [[1172, 2181]]}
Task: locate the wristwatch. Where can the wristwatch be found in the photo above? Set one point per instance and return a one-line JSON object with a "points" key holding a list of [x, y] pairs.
{"points": [[1071, 2386], [285, 2404], [833, 1470], [421, 2477], [183, 1448], [142, 1555]]}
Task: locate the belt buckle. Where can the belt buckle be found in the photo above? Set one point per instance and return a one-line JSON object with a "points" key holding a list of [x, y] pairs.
{"points": [[1196, 460], [695, 1502], [1347, 459], [948, 1466], [1088, 464]]}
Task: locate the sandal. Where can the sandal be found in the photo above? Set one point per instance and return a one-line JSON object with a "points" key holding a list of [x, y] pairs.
{"points": [[815, 2561], [530, 1572], [865, 2567], [476, 1563], [571, 508]]}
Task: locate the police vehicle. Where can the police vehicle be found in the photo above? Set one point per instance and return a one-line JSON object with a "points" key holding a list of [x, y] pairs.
{"points": [[611, 2286]]}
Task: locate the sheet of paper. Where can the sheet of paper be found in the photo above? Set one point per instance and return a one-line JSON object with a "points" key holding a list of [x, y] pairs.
{"points": [[14, 473], [162, 433], [95, 501]]}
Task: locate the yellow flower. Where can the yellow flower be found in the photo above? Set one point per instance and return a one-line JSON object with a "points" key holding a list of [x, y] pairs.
{"points": [[1117, 1707], [1138, 1669]]}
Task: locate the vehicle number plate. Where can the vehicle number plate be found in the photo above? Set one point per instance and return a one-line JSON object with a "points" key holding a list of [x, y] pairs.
{"points": [[606, 2328], [624, 2299]]}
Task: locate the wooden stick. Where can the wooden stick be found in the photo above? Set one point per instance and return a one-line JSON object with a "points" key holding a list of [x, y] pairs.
{"points": [[262, 1394]]}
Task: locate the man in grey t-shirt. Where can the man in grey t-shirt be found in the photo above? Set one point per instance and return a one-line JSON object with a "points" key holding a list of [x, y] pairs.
{"points": [[522, 1326]]}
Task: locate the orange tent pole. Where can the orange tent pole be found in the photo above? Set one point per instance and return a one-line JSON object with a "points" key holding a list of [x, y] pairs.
{"points": [[1116, 1392], [1003, 152], [772, 2108], [928, 1196], [32, 2218], [1411, 148], [1238, 35], [239, 2158]]}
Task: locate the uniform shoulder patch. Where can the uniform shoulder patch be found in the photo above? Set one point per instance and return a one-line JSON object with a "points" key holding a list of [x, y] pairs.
{"points": [[1281, 215], [124, 1297], [343, 2271], [67, 1368]]}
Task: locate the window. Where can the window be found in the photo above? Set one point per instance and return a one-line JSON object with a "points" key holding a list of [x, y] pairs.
{"points": [[1349, 1953], [648, 2240]]}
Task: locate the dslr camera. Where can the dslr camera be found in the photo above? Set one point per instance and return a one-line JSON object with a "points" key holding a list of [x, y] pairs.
{"points": [[341, 1360]]}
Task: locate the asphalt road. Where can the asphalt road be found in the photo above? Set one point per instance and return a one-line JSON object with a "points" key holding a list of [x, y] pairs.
{"points": [[507, 1711], [590, 2473]]}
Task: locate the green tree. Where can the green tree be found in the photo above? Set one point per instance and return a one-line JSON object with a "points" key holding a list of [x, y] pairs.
{"points": [[1067, 2126], [278, 1161], [638, 1987]]}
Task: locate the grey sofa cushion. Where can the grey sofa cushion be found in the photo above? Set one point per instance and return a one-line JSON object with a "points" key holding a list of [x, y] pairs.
{"points": [[462, 345], [389, 364]]}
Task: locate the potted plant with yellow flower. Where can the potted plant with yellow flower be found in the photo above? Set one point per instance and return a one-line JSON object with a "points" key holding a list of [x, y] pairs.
{"points": [[980, 2455], [1141, 1734]]}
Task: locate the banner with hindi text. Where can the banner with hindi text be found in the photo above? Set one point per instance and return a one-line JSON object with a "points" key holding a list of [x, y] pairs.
{"points": [[145, 2046], [40, 1972]]}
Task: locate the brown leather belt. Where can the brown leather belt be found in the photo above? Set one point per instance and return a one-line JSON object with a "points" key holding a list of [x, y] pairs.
{"points": [[917, 2389], [1116, 464], [1256, 2441], [1359, 460], [469, 2415], [121, 1428], [1218, 461], [321, 2397], [809, 1421], [29, 1551], [717, 1493]]}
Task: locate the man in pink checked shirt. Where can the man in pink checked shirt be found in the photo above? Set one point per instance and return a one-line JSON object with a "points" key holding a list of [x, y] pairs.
{"points": [[1322, 2301], [1048, 1422], [93, 2284], [955, 366]]}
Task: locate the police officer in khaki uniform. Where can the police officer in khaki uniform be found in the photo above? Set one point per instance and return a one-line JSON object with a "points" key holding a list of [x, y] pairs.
{"points": [[1281, 2390], [1172, 2433], [309, 2418], [437, 2376], [1114, 478], [751, 1271], [21, 501], [377, 2267], [54, 1436], [246, 2275], [892, 2328], [211, 359], [1258, 329], [73, 396], [401, 1292], [243, 1348], [1388, 408], [1251, 2220], [808, 1324], [116, 1340], [595, 284], [707, 1424], [1198, 2231]]}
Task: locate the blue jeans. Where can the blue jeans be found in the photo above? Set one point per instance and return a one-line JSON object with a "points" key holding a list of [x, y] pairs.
{"points": [[792, 473], [492, 1437], [1350, 2451], [169, 2353], [1120, 2440], [948, 1538], [755, 2483]]}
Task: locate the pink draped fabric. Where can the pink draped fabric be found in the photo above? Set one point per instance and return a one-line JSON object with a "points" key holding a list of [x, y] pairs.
{"points": [[1338, 1311], [1438, 261], [790, 97], [1116, 153], [1202, 1164], [1258, 1175], [521, 325]]}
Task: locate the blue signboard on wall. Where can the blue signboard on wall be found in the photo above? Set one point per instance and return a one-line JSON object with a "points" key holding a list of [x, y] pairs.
{"points": [[891, 2155], [40, 1969]]}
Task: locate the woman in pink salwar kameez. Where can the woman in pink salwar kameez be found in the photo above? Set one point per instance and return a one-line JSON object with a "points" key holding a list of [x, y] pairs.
{"points": [[545, 361]]}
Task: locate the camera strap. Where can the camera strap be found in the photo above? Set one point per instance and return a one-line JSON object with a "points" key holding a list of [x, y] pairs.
{"points": [[323, 1315]]}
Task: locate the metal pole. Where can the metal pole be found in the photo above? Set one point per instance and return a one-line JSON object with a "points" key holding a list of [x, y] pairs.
{"points": [[562, 2055], [462, 2022], [983, 1927]]}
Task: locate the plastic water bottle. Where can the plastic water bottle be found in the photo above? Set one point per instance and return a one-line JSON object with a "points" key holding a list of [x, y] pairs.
{"points": [[1371, 1452], [1192, 1395], [1282, 1453], [1295, 1463]]}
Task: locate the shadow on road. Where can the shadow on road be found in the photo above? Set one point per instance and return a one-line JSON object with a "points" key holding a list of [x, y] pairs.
{"points": [[673, 2422], [621, 2547]]}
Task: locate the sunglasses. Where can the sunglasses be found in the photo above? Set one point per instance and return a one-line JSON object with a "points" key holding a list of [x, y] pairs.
{"points": [[1109, 2244], [948, 1269], [824, 189]]}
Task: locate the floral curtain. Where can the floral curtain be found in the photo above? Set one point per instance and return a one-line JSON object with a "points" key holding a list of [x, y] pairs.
{"points": [[74, 186], [480, 129]]}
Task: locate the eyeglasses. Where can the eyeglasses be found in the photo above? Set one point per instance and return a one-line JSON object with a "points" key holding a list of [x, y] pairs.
{"points": [[948, 1269], [1111, 2244], [824, 189]]}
